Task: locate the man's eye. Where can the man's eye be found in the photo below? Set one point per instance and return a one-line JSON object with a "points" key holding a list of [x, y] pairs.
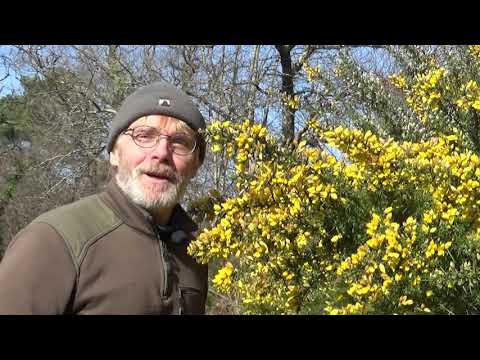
{"points": [[144, 136], [182, 140]]}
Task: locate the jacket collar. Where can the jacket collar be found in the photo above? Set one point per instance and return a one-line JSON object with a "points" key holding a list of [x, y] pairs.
{"points": [[139, 218]]}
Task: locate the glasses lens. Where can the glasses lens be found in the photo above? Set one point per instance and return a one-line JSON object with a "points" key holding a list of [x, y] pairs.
{"points": [[182, 144], [145, 136]]}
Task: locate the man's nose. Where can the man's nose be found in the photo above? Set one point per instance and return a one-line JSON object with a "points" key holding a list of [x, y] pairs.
{"points": [[161, 152]]}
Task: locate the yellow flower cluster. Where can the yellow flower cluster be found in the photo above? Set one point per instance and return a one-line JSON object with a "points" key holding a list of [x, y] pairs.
{"points": [[470, 96], [292, 102], [368, 153], [312, 72], [475, 50], [223, 278], [239, 139], [286, 235], [398, 81], [425, 94], [389, 259], [426, 91]]}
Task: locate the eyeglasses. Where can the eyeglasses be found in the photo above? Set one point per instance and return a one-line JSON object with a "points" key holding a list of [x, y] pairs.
{"points": [[148, 137]]}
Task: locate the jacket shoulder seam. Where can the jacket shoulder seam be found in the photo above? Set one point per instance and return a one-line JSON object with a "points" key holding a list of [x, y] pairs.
{"points": [[93, 240], [98, 227]]}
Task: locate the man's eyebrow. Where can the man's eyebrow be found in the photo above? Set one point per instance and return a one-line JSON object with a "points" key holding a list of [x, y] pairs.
{"points": [[181, 129], [182, 132]]}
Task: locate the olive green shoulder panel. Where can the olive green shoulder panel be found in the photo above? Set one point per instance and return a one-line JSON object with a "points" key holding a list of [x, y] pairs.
{"points": [[80, 224]]}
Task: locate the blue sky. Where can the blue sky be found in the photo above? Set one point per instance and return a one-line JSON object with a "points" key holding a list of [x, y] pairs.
{"points": [[10, 83]]}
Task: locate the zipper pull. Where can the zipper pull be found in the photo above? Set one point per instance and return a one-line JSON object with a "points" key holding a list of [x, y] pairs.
{"points": [[180, 302]]}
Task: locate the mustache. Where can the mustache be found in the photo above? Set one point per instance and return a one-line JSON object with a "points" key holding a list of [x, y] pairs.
{"points": [[161, 170]]}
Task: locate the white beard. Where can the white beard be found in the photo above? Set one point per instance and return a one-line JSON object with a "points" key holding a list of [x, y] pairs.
{"points": [[152, 197]]}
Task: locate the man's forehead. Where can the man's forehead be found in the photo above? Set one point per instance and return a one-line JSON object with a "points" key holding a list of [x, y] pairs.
{"points": [[161, 122]]}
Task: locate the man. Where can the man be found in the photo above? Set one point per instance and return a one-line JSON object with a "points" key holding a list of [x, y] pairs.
{"points": [[122, 251]]}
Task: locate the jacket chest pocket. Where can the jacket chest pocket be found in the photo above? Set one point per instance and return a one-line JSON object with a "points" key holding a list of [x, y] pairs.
{"points": [[191, 301]]}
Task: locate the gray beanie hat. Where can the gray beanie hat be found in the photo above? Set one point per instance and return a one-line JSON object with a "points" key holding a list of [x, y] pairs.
{"points": [[159, 98]]}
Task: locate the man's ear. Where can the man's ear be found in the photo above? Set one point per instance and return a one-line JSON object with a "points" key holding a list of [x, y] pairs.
{"points": [[196, 165], [114, 157]]}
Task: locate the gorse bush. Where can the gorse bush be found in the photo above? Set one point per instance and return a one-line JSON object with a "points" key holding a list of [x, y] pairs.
{"points": [[392, 228], [389, 225]]}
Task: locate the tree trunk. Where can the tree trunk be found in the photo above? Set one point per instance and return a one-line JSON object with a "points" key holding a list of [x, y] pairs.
{"points": [[288, 121]]}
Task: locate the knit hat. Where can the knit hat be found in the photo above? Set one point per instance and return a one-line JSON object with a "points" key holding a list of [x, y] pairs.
{"points": [[159, 98]]}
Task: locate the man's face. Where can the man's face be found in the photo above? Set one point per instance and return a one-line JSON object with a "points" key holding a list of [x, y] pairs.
{"points": [[154, 178]]}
